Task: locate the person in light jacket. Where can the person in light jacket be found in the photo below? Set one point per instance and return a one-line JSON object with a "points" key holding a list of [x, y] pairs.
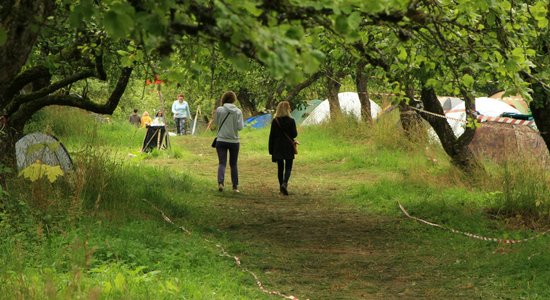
{"points": [[229, 119], [281, 138], [180, 109]]}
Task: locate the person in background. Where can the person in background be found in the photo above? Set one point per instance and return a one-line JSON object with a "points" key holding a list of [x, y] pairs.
{"points": [[145, 120], [229, 119], [135, 119], [180, 109], [159, 119], [281, 139]]}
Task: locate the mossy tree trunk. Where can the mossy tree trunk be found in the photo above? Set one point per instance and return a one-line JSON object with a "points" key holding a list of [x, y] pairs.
{"points": [[362, 91]]}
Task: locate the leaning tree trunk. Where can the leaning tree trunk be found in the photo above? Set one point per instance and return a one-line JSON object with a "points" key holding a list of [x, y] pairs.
{"points": [[333, 87], [362, 92], [248, 106], [456, 148], [540, 107]]}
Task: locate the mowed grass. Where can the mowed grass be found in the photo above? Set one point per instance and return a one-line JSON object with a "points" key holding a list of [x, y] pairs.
{"points": [[339, 235]]}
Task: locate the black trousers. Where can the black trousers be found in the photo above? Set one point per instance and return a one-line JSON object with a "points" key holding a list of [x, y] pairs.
{"points": [[284, 169]]}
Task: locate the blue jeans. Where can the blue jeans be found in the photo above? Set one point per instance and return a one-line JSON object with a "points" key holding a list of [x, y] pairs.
{"points": [[221, 149]]}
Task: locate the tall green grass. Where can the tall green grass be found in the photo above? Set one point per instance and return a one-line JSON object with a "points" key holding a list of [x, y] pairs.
{"points": [[96, 232], [91, 235]]}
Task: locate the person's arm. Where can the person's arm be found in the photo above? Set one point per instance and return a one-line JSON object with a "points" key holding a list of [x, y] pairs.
{"points": [[188, 110], [216, 117], [270, 142], [293, 132], [174, 108], [240, 121]]}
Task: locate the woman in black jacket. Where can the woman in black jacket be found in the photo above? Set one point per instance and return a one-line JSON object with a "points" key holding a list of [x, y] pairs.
{"points": [[281, 143]]}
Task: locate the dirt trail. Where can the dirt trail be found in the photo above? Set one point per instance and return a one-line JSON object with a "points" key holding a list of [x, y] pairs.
{"points": [[307, 244]]}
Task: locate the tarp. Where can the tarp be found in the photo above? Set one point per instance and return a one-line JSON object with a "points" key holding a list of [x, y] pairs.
{"points": [[259, 121], [43, 147], [500, 142], [301, 114], [155, 137], [349, 103]]}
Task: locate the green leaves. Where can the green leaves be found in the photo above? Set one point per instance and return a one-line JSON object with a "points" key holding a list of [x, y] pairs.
{"points": [[468, 80], [119, 20], [540, 13], [3, 36], [81, 12], [38, 170]]}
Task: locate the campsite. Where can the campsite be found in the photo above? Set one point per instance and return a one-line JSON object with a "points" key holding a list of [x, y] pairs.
{"points": [[274, 149]]}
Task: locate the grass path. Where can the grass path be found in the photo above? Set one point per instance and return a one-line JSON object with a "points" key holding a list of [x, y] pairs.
{"points": [[314, 245]]}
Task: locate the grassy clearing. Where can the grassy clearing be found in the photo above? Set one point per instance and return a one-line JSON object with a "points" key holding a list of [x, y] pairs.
{"points": [[339, 235]]}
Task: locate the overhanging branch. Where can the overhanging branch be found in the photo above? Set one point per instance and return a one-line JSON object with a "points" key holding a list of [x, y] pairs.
{"points": [[28, 109], [26, 98], [25, 78]]}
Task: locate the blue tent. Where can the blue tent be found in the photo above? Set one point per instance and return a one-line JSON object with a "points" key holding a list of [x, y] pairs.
{"points": [[259, 121]]}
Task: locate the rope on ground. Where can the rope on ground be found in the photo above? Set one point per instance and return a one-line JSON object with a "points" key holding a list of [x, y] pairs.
{"points": [[225, 254], [471, 235]]}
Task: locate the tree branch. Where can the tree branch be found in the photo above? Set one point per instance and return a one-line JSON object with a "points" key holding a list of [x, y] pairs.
{"points": [[26, 98], [302, 85], [25, 78], [28, 109]]}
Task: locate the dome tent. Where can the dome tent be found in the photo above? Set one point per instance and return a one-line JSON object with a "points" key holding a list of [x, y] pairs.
{"points": [[516, 102], [485, 106], [44, 148]]}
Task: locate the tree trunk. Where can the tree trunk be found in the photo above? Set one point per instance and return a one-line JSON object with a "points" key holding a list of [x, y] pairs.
{"points": [[540, 107], [456, 148], [21, 19], [411, 123], [410, 119], [249, 107], [361, 84], [8, 137], [333, 87]]}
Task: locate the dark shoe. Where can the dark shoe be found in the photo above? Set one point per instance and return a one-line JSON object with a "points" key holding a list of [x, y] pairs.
{"points": [[283, 189], [220, 187]]}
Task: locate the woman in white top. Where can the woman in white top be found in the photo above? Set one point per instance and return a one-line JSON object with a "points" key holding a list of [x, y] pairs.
{"points": [[180, 109]]}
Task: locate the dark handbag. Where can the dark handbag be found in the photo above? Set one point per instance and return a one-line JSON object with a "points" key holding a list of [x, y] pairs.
{"points": [[216, 138], [293, 142]]}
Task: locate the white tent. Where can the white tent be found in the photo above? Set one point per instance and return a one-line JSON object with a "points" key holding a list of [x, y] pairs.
{"points": [[349, 103], [448, 103], [485, 106]]}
